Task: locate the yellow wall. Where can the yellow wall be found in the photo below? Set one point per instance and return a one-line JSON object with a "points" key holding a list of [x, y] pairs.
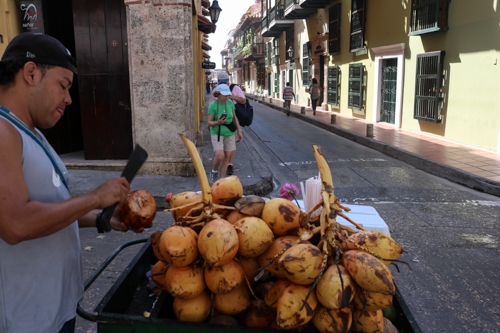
{"points": [[10, 22], [472, 75]]}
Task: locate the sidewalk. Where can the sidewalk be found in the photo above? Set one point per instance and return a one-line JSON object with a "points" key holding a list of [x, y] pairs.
{"points": [[471, 167], [86, 175]]}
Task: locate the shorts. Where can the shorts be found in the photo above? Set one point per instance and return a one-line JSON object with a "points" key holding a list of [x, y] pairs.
{"points": [[226, 143]]}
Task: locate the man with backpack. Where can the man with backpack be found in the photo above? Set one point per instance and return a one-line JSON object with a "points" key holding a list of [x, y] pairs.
{"points": [[238, 97]]}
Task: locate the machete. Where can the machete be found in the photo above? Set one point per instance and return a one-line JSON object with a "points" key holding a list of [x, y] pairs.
{"points": [[135, 161]]}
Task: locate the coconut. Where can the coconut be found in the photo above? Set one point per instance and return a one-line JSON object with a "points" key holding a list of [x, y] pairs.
{"points": [[223, 279], [290, 304], [329, 289], [272, 296], [254, 236], [369, 321], [184, 282], [226, 191], [158, 273], [249, 265], [233, 302], [234, 216], [138, 210], [374, 301], [179, 246], [377, 242], [155, 244], [258, 315], [193, 309], [332, 321], [302, 263], [282, 216], [276, 247], [218, 242], [369, 272], [263, 288], [184, 198]]}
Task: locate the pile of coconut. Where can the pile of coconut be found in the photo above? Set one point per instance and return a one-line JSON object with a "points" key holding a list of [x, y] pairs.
{"points": [[251, 265]]}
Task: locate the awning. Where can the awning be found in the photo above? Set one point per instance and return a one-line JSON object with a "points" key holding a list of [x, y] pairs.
{"points": [[205, 12], [205, 46], [204, 25], [205, 3], [205, 54]]}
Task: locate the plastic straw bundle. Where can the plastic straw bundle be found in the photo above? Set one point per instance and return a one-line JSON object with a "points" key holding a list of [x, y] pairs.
{"points": [[311, 194]]}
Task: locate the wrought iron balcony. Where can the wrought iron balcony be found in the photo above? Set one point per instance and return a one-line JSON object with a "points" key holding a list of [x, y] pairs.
{"points": [[237, 53], [257, 51], [315, 3], [293, 10], [275, 23]]}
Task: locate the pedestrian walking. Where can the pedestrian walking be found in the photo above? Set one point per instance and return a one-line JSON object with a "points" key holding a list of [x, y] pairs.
{"points": [[237, 96], [207, 85], [223, 126], [41, 273], [288, 94], [315, 91]]}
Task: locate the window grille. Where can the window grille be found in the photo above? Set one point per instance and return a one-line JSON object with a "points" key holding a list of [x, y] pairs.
{"points": [[333, 85], [355, 97], [305, 64], [428, 16], [276, 83], [358, 14], [334, 29], [428, 86]]}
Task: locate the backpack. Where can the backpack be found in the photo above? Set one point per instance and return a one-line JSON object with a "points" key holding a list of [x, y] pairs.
{"points": [[244, 113]]}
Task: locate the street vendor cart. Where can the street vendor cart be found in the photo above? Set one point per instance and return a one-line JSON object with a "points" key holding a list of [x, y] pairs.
{"points": [[123, 307]]}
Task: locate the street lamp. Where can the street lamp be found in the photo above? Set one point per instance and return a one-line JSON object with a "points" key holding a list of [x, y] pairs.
{"points": [[290, 54], [214, 11]]}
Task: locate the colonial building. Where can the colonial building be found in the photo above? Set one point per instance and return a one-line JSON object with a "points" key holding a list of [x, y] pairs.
{"points": [[430, 67], [140, 77]]}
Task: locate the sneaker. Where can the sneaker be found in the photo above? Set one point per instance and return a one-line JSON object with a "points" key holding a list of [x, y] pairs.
{"points": [[230, 170], [213, 177], [288, 113]]}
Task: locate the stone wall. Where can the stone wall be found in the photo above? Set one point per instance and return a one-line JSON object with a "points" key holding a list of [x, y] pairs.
{"points": [[161, 82]]}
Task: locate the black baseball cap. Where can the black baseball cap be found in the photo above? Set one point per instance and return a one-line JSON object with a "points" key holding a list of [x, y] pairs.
{"points": [[39, 48]]}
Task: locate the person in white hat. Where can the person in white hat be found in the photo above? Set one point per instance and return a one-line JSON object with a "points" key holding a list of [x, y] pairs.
{"points": [[237, 96], [224, 126]]}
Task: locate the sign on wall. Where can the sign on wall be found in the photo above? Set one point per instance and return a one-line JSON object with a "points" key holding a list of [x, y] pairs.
{"points": [[208, 65], [31, 16]]}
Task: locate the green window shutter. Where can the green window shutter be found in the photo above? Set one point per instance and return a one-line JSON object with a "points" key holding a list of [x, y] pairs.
{"points": [[305, 65], [276, 83], [267, 54], [334, 29], [428, 16], [428, 84], [333, 85], [355, 96], [358, 9]]}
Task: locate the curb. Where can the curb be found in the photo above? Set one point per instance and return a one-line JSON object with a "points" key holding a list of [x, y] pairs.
{"points": [[422, 163]]}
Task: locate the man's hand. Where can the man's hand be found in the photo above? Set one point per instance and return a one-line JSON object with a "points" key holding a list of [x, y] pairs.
{"points": [[118, 225], [111, 192]]}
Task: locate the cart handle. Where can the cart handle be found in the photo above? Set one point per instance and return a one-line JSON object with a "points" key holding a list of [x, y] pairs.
{"points": [[90, 316]]}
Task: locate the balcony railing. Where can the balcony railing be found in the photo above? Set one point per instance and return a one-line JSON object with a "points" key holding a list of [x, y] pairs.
{"points": [[289, 3], [257, 51], [237, 51], [265, 23]]}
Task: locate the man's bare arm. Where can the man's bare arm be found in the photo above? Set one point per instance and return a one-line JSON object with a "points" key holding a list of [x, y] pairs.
{"points": [[22, 218]]}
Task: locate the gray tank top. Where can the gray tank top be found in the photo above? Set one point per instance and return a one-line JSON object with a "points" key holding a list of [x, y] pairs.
{"points": [[41, 280]]}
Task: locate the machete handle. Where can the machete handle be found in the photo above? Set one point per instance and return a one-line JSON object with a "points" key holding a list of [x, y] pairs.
{"points": [[102, 222]]}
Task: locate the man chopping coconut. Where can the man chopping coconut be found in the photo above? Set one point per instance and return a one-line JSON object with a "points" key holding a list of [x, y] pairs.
{"points": [[41, 278]]}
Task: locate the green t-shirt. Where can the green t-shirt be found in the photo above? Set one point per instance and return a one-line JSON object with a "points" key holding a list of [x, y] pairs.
{"points": [[216, 109]]}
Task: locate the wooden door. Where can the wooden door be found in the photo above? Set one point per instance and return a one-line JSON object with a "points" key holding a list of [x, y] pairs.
{"points": [[66, 135], [103, 77]]}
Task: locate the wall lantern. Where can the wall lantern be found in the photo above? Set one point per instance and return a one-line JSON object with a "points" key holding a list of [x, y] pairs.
{"points": [[290, 54], [214, 11]]}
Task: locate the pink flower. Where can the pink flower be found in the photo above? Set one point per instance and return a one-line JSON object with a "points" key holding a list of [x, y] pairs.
{"points": [[289, 191]]}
